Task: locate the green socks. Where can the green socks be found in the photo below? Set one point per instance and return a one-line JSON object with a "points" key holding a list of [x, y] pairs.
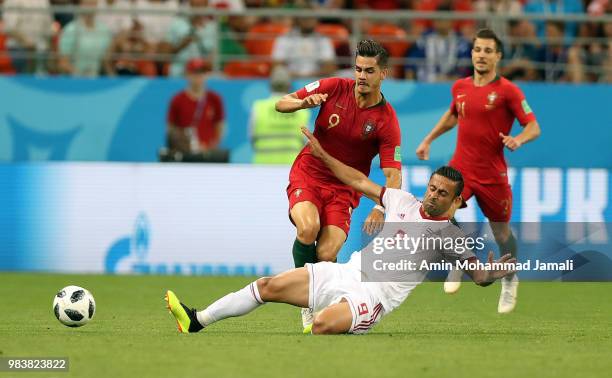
{"points": [[303, 253]]}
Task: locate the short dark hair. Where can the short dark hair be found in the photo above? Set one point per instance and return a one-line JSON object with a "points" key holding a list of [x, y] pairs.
{"points": [[489, 34], [453, 175], [372, 49]]}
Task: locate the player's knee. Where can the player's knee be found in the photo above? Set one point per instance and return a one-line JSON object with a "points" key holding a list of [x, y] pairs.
{"points": [[327, 252], [269, 288], [307, 234]]}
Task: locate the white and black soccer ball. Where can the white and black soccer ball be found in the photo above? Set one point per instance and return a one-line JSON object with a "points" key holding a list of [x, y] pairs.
{"points": [[74, 306]]}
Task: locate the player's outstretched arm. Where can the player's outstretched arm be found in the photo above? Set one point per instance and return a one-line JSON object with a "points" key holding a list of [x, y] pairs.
{"points": [[291, 102], [483, 277], [348, 175], [446, 123]]}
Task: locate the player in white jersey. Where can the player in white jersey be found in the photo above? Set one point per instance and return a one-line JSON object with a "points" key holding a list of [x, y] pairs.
{"points": [[351, 298]]}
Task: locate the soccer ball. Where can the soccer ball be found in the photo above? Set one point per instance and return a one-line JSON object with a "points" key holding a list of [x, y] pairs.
{"points": [[74, 306]]}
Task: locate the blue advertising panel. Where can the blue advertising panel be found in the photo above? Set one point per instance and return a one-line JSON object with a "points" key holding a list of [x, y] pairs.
{"points": [[232, 219], [125, 119]]}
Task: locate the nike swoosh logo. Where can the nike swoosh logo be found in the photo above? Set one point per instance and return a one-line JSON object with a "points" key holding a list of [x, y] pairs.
{"points": [[340, 106], [461, 95]]}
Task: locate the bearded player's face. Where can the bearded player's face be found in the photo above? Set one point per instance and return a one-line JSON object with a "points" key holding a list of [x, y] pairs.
{"points": [[485, 56], [368, 75], [440, 197]]}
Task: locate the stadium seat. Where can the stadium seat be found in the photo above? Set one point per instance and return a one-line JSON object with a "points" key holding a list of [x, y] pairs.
{"points": [[392, 37], [338, 33], [260, 38], [246, 69]]}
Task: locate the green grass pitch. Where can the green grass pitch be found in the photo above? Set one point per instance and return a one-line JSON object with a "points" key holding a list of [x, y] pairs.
{"points": [[557, 330]]}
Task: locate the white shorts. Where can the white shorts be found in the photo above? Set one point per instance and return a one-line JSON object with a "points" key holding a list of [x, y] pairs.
{"points": [[330, 283]]}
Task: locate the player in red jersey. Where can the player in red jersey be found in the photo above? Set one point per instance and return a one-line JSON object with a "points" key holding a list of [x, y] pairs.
{"points": [[485, 106], [354, 124]]}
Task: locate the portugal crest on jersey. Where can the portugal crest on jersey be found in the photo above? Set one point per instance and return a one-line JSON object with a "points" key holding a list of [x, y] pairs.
{"points": [[491, 100], [368, 128], [492, 97]]}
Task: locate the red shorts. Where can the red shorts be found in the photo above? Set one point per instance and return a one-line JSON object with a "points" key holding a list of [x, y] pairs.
{"points": [[495, 200], [334, 202]]}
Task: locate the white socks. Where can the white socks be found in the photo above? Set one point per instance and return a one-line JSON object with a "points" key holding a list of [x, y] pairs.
{"points": [[237, 303]]}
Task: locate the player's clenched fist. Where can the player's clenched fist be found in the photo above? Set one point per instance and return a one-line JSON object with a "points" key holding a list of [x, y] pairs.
{"points": [[315, 147], [422, 151], [314, 100], [511, 142]]}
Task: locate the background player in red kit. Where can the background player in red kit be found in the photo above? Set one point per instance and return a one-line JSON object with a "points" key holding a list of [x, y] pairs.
{"points": [[485, 106], [354, 124]]}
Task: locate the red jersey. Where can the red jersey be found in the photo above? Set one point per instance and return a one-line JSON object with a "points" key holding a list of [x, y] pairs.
{"points": [[484, 112], [207, 113], [350, 134]]}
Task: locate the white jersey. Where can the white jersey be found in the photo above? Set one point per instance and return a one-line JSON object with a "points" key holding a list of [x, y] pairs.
{"points": [[403, 210]]}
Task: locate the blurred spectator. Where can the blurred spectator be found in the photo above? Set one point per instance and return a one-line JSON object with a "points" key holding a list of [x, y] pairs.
{"points": [[29, 34], [305, 52], [127, 53], [232, 5], [63, 18], [560, 62], [276, 137], [498, 7], [116, 22], [597, 7], [196, 115], [595, 55], [465, 27], [381, 5], [340, 37], [575, 69], [190, 36], [521, 52], [606, 64], [157, 26], [264, 3], [439, 55], [6, 66], [329, 4], [233, 33], [83, 43], [552, 7]]}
